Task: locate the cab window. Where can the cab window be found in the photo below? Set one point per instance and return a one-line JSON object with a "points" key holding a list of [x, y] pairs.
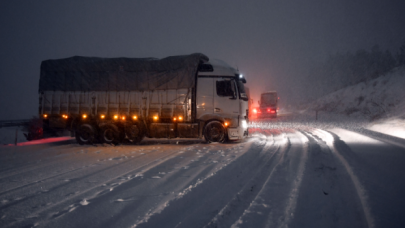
{"points": [[226, 88]]}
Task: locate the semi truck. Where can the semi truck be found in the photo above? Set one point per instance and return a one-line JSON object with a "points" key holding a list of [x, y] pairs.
{"points": [[108, 100], [267, 105]]}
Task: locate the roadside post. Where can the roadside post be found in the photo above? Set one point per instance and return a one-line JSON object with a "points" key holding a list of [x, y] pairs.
{"points": [[16, 136]]}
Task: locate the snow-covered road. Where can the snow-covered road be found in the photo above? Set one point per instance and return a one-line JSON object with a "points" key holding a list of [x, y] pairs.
{"points": [[285, 176]]}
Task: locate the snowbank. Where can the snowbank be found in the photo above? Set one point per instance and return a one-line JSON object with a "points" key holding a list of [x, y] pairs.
{"points": [[379, 101], [380, 98], [392, 126]]}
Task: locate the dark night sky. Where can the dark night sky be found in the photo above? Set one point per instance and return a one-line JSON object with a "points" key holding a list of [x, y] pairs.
{"points": [[271, 42]]}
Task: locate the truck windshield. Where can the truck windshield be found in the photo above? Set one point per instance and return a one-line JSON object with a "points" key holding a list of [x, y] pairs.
{"points": [[269, 98], [242, 92]]}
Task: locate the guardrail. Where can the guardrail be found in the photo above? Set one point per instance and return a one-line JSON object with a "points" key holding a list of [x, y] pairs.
{"points": [[13, 123]]}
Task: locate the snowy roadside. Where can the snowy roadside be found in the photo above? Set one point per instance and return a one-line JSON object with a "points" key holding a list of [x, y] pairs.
{"points": [[394, 127], [377, 104]]}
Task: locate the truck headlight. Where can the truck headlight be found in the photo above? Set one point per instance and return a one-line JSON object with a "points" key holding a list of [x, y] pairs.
{"points": [[244, 124]]}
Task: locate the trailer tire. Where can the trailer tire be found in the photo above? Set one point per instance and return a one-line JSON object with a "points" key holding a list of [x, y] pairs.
{"points": [[110, 134], [134, 132], [214, 131], [85, 134]]}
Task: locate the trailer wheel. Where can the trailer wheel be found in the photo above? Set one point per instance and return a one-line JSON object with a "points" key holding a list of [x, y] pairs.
{"points": [[110, 134], [214, 131], [85, 134], [134, 133]]}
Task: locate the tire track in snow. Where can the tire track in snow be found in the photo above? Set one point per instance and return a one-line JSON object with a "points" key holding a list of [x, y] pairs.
{"points": [[74, 162], [37, 181], [45, 160], [361, 192], [214, 188], [153, 195], [94, 198], [270, 155], [292, 201], [268, 210], [83, 165], [68, 182], [149, 165]]}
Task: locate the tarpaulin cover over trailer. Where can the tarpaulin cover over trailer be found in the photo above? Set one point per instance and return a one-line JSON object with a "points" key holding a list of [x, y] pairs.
{"points": [[120, 74]]}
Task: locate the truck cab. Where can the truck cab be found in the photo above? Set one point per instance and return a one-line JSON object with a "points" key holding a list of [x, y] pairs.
{"points": [[268, 105], [221, 99]]}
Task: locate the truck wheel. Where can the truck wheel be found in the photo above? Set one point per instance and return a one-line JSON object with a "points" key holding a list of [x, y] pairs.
{"points": [[85, 134], [134, 133], [110, 134], [214, 131]]}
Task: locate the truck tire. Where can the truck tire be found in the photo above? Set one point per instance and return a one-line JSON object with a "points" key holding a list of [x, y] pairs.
{"points": [[85, 134], [110, 134], [214, 131], [134, 132]]}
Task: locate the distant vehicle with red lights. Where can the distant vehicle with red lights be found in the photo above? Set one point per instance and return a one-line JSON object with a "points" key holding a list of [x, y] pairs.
{"points": [[268, 105]]}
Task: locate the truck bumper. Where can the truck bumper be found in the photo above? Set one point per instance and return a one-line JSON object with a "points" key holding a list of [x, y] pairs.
{"points": [[238, 133]]}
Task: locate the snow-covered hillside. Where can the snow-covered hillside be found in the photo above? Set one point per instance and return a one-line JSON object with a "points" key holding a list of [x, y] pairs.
{"points": [[380, 101]]}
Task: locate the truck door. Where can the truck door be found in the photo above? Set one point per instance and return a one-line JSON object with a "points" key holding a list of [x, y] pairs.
{"points": [[226, 97], [205, 96]]}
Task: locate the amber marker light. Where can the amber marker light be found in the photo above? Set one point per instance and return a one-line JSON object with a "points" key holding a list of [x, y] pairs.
{"points": [[134, 117], [155, 117], [45, 116], [115, 117], [65, 116], [180, 118], [174, 118], [123, 117], [102, 116], [226, 124], [84, 116]]}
